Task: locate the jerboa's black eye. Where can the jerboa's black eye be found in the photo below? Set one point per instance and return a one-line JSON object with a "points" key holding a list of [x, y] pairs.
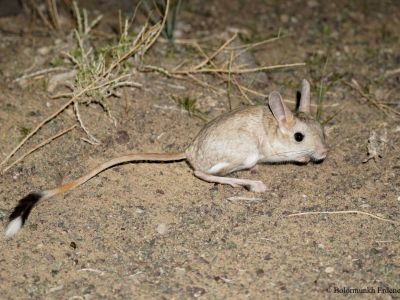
{"points": [[298, 136]]}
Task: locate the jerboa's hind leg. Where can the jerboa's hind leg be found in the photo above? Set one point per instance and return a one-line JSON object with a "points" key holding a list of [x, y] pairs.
{"points": [[253, 185]]}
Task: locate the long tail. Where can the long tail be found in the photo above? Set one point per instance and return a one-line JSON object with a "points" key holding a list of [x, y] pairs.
{"points": [[22, 210]]}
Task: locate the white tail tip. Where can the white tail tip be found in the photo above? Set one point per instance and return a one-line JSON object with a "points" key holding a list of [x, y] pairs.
{"points": [[13, 227]]}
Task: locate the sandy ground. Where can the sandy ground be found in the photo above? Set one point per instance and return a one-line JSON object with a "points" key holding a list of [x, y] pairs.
{"points": [[141, 231]]}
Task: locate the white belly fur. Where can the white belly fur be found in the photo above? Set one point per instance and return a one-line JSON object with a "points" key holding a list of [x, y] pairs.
{"points": [[218, 167]]}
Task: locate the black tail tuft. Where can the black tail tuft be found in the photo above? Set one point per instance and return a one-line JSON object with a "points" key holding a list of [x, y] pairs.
{"points": [[25, 205]]}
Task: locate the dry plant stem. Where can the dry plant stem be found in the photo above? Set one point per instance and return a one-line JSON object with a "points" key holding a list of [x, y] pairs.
{"points": [[134, 13], [180, 77], [38, 127], [239, 71], [204, 84], [62, 95], [209, 58], [201, 51], [234, 80], [229, 81], [158, 32], [178, 66], [246, 47], [40, 72], [392, 72], [158, 69], [344, 212], [52, 7], [70, 57], [161, 70], [42, 17], [250, 90], [78, 116], [128, 83], [39, 146], [115, 80], [382, 107], [191, 41], [250, 46], [120, 28]]}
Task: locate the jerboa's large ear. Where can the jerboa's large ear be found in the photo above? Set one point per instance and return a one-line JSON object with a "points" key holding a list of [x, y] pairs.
{"points": [[281, 113], [305, 97]]}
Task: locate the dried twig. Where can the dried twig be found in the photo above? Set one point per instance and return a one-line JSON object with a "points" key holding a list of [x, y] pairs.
{"points": [[251, 91], [52, 7], [40, 72], [219, 71], [246, 47], [39, 146], [52, 116], [157, 28], [241, 90], [203, 53], [93, 140], [41, 16], [392, 72], [381, 106], [204, 84], [157, 69], [344, 212], [209, 58], [62, 95], [238, 71], [228, 90]]}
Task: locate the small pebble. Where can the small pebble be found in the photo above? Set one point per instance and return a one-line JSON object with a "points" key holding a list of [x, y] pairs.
{"points": [[162, 228], [329, 270], [195, 292], [139, 211], [43, 50], [180, 271], [3, 214], [284, 18], [23, 83]]}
